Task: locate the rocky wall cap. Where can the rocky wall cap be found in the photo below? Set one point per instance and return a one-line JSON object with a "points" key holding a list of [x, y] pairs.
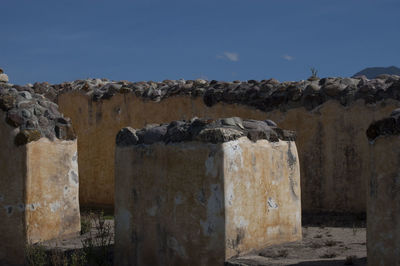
{"points": [[34, 115], [264, 95], [204, 130], [385, 127]]}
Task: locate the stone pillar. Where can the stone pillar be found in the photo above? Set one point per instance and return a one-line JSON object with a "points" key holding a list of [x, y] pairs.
{"points": [[383, 205], [200, 192], [39, 174]]}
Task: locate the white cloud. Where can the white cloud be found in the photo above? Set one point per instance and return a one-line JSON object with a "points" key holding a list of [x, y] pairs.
{"points": [[234, 57], [288, 57]]}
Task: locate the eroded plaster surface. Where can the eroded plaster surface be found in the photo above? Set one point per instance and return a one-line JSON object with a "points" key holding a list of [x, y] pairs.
{"points": [[262, 194], [52, 185], [383, 223]]}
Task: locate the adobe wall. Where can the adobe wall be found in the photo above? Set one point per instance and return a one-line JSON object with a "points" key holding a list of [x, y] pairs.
{"points": [[383, 201], [39, 173], [201, 202], [332, 146], [38, 192], [383, 223]]}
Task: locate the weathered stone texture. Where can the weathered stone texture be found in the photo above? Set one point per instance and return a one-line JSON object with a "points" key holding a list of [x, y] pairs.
{"points": [[383, 205], [34, 115], [38, 192], [331, 141], [195, 203], [205, 130]]}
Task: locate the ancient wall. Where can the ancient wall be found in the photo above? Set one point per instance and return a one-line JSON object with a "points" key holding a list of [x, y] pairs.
{"points": [[383, 201], [39, 173], [201, 202], [331, 141], [38, 193]]}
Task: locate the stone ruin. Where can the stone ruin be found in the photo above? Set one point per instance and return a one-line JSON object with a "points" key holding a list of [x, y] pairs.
{"points": [[383, 201], [330, 116], [39, 173], [202, 191]]}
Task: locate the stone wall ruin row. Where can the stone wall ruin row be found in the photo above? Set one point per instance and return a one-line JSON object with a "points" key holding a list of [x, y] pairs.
{"points": [[330, 116], [331, 139]]}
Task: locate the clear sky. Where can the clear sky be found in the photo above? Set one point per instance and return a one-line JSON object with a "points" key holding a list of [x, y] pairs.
{"points": [[58, 40]]}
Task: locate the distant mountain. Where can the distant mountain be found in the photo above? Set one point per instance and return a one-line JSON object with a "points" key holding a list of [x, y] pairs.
{"points": [[372, 72]]}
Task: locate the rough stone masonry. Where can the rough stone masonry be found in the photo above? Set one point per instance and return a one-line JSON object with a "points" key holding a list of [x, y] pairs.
{"points": [[201, 191]]}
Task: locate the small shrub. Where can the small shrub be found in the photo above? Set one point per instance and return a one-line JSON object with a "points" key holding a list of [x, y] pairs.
{"points": [[97, 246], [314, 72], [58, 258], [108, 217], [330, 243], [78, 258], [315, 245], [35, 255], [328, 255], [86, 223], [350, 260], [283, 253]]}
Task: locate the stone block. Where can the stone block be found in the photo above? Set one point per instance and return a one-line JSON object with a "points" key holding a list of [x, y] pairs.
{"points": [[197, 202], [38, 192]]}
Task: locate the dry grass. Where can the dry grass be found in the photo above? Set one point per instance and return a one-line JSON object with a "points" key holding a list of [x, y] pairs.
{"points": [[328, 255]]}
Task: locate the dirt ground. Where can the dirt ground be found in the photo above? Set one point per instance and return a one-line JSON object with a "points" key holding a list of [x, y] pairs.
{"points": [[320, 246], [326, 241]]}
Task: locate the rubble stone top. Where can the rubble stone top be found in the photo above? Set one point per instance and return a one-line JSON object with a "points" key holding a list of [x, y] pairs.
{"points": [[33, 114], [265, 95], [204, 130]]}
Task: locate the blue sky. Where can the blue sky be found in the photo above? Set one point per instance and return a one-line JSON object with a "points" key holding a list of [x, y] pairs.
{"points": [[59, 40]]}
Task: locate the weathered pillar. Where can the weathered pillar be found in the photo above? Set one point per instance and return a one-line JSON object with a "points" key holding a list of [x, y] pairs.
{"points": [[39, 173], [200, 192], [383, 206]]}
